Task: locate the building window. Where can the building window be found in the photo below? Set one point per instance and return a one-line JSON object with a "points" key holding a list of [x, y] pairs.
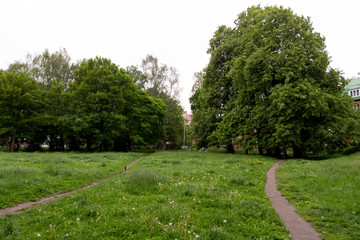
{"points": [[351, 93]]}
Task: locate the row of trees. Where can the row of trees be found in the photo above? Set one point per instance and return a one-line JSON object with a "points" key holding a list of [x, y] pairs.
{"points": [[92, 104], [269, 85]]}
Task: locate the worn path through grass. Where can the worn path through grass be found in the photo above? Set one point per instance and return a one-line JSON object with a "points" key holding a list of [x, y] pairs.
{"points": [[21, 206], [28, 177], [298, 227], [168, 195], [325, 193]]}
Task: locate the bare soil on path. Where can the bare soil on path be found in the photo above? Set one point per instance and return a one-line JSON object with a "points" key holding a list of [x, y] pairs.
{"points": [[299, 229], [21, 206]]}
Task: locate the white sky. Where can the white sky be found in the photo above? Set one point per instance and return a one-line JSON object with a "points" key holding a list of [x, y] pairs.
{"points": [[177, 32]]}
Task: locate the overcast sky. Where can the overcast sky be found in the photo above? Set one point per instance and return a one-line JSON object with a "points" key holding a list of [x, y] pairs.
{"points": [[177, 32]]}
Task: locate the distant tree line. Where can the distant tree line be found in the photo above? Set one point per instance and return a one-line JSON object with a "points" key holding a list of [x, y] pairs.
{"points": [[268, 85], [92, 105]]}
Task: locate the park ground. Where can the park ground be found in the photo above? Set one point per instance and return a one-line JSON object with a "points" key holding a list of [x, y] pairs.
{"points": [[174, 195]]}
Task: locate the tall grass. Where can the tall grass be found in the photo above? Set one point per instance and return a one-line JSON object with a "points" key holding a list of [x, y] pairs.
{"points": [[167, 195], [326, 193], [30, 176]]}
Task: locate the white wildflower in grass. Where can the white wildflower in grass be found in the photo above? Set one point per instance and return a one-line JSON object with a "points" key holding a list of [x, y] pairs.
{"points": [[78, 219], [194, 199], [133, 208], [170, 224], [197, 236], [225, 221], [39, 235], [189, 232]]}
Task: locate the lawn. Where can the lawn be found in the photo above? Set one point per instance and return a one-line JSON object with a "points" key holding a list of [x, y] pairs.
{"points": [[326, 193], [167, 195], [30, 176]]}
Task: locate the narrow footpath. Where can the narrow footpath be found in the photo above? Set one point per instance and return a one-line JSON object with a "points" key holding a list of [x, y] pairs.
{"points": [[299, 229], [21, 206]]}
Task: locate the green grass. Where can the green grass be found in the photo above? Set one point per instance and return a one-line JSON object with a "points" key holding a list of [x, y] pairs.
{"points": [[31, 176], [326, 193], [167, 195]]}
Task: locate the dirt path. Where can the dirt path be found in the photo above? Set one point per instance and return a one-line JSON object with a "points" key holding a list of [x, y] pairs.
{"points": [[298, 227], [21, 206]]}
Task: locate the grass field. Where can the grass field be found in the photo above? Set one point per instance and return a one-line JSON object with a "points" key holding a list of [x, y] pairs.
{"points": [[30, 176], [326, 193], [167, 195]]}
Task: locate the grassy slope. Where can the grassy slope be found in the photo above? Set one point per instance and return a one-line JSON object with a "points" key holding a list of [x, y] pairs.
{"points": [[326, 193], [30, 176], [168, 195]]}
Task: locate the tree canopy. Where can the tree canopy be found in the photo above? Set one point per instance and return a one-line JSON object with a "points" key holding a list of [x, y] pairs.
{"points": [[94, 104], [269, 85], [20, 108], [162, 82]]}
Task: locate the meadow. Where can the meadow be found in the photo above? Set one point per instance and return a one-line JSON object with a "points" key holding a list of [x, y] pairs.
{"points": [[30, 176], [325, 193], [167, 195]]}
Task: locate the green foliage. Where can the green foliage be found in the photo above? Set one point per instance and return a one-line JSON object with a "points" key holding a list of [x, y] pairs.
{"points": [[107, 106], [162, 82], [269, 81], [96, 106], [47, 67], [20, 108], [325, 193]]}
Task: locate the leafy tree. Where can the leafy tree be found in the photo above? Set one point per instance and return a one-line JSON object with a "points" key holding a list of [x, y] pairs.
{"points": [[109, 112], [138, 76], [47, 68], [20, 104], [53, 71], [55, 109], [213, 99], [275, 85], [146, 119], [162, 82]]}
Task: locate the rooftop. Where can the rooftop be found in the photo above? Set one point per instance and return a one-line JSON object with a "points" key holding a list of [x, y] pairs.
{"points": [[353, 84]]}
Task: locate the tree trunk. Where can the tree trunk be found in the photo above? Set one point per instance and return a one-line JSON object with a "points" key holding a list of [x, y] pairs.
{"points": [[230, 148], [12, 143], [298, 152], [277, 152], [61, 143], [261, 151], [285, 156]]}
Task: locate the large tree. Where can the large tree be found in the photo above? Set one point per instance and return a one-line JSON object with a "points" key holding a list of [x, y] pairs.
{"points": [[162, 82], [282, 91], [20, 108], [53, 71], [109, 111], [47, 67]]}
